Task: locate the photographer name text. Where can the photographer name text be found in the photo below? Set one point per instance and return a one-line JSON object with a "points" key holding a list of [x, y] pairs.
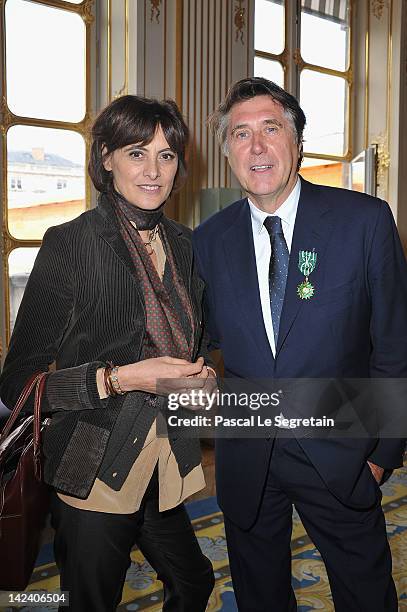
{"points": [[254, 420]]}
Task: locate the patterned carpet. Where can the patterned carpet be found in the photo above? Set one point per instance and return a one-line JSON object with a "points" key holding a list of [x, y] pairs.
{"points": [[143, 593]]}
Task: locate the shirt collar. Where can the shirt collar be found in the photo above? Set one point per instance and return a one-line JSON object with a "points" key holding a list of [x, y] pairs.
{"points": [[287, 211]]}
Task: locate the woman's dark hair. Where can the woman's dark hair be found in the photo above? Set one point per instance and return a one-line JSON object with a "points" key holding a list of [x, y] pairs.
{"points": [[134, 120], [248, 88]]}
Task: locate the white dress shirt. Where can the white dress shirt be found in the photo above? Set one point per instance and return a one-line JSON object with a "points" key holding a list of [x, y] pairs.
{"points": [[262, 248]]}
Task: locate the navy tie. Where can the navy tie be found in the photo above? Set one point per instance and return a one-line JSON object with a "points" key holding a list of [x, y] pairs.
{"points": [[278, 270]]}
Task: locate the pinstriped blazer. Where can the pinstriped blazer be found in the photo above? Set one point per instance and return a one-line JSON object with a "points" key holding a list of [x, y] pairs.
{"points": [[83, 306]]}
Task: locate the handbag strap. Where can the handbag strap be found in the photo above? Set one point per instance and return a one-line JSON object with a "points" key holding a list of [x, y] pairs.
{"points": [[39, 390], [37, 380]]}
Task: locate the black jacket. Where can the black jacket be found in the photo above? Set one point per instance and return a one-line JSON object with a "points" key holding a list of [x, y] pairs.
{"points": [[82, 307]]}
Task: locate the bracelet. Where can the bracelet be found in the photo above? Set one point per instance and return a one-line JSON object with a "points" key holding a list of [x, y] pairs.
{"points": [[209, 369], [108, 388], [111, 380], [114, 379]]}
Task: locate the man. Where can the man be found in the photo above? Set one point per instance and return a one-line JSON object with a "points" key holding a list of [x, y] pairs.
{"points": [[342, 314]]}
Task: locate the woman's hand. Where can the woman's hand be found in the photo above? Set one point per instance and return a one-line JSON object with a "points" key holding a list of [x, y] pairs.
{"points": [[174, 376], [209, 387]]}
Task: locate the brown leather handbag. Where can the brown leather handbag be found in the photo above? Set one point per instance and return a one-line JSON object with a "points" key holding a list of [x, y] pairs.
{"points": [[24, 497]]}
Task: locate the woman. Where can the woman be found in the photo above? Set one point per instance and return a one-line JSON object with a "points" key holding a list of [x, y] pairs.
{"points": [[114, 301]]}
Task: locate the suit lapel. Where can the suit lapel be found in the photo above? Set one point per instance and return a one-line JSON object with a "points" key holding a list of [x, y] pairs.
{"points": [[241, 265], [312, 230], [181, 250], [108, 229]]}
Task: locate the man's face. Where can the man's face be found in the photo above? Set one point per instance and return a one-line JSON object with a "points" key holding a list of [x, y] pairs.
{"points": [[263, 152]]}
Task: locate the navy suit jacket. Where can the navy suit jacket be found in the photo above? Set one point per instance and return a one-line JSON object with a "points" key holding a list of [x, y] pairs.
{"points": [[355, 326]]}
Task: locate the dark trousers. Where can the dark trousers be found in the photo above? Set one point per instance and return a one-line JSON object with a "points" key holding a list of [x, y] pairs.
{"points": [[92, 552], [352, 543]]}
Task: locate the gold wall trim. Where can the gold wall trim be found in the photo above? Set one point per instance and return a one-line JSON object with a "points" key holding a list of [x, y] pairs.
{"points": [[280, 57], [86, 12], [6, 115], [10, 243], [125, 88], [165, 50], [303, 65], [389, 90], [378, 6], [383, 156], [350, 107], [109, 50], [179, 43], [239, 20], [4, 308], [84, 8], [339, 158], [9, 119], [297, 57], [367, 76], [155, 10]]}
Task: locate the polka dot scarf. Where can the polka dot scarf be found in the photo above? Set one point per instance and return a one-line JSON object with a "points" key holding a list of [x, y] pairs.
{"points": [[164, 333]]}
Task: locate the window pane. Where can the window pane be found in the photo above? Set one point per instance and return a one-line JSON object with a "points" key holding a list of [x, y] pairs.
{"points": [[45, 179], [324, 102], [45, 52], [269, 26], [325, 172], [20, 263], [325, 33], [269, 69]]}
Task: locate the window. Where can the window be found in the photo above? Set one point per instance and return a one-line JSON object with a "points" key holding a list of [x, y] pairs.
{"points": [[45, 124], [308, 52], [269, 40]]}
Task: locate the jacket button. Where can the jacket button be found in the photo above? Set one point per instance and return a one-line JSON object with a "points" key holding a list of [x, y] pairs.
{"points": [[135, 440], [114, 474]]}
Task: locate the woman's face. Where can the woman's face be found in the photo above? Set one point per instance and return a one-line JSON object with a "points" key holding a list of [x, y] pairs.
{"points": [[144, 175]]}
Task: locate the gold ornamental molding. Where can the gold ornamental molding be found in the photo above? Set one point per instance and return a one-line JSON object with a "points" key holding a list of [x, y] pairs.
{"points": [[6, 116], [155, 10], [284, 58], [383, 156], [301, 64], [378, 6], [125, 87], [298, 59], [239, 20], [85, 127], [86, 12], [124, 90], [7, 245]]}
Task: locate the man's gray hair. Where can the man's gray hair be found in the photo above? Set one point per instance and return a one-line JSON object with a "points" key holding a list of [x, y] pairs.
{"points": [[251, 87]]}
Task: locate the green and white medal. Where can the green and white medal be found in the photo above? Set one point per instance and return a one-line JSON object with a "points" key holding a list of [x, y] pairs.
{"points": [[306, 264]]}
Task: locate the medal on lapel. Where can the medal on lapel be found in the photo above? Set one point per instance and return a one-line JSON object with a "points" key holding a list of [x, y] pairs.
{"points": [[306, 264]]}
